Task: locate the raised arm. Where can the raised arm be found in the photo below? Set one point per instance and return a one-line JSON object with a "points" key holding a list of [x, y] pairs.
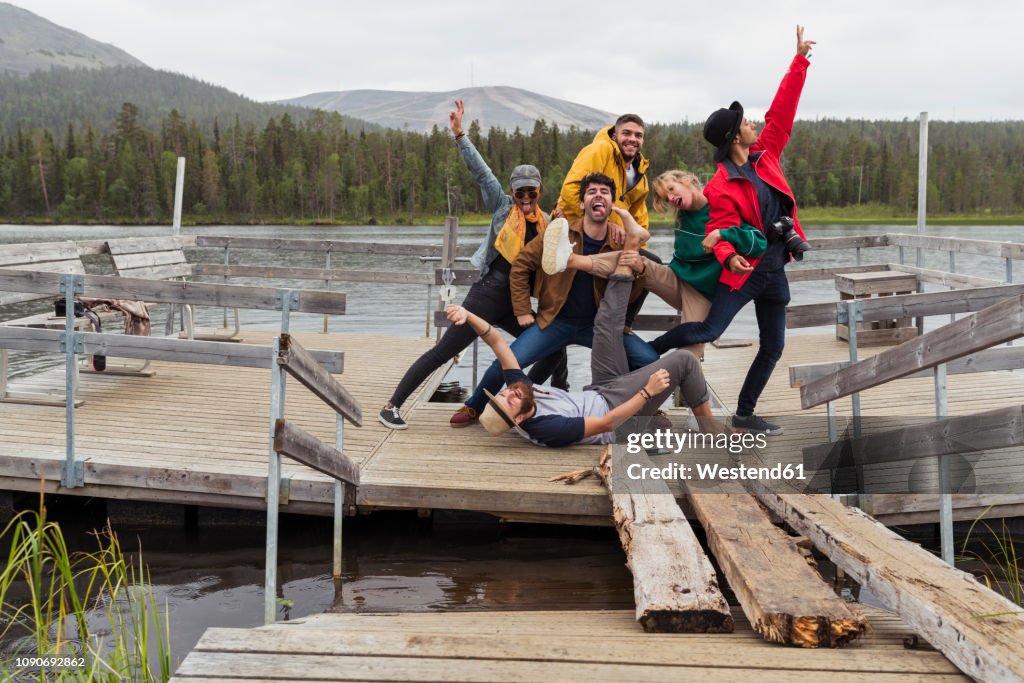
{"points": [[778, 122], [492, 337], [492, 191]]}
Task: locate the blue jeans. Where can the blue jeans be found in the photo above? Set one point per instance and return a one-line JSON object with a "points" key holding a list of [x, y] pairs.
{"points": [[769, 291], [536, 343]]}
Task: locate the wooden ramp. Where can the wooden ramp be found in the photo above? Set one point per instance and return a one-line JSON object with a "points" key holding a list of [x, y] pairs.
{"points": [[541, 646]]}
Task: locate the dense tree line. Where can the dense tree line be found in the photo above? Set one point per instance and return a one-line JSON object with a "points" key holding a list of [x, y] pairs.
{"points": [[319, 169]]}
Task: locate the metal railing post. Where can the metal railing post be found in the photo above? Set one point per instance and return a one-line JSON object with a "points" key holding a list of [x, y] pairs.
{"points": [[858, 256], [72, 473], [430, 293], [952, 269], [339, 497], [945, 482], [227, 262], [1009, 270], [277, 402], [327, 283], [853, 315]]}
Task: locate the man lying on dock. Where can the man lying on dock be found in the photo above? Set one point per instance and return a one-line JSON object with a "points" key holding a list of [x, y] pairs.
{"points": [[552, 417]]}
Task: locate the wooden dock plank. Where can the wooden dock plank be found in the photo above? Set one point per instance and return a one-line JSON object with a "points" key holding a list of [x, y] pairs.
{"points": [[541, 645]]}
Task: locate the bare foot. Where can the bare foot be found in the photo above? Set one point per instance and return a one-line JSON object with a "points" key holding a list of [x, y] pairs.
{"points": [[633, 229]]}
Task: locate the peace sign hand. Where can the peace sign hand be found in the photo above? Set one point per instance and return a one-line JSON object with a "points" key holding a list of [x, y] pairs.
{"points": [[455, 118], [803, 47]]}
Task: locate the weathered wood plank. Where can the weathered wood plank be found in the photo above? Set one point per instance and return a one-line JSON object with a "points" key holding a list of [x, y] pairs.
{"points": [[304, 367], [321, 274], [878, 282], [37, 252], [864, 241], [158, 348], [988, 360], [642, 322], [987, 430], [948, 607], [337, 246], [941, 277], [785, 599], [148, 258], [198, 293], [960, 245], [157, 272], [302, 446], [904, 305], [811, 274], [674, 584], [135, 245], [998, 323], [462, 277]]}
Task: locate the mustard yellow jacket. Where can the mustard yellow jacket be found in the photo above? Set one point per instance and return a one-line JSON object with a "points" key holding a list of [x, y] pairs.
{"points": [[604, 156]]}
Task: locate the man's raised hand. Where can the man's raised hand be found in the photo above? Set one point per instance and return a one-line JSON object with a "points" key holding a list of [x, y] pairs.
{"points": [[658, 382], [455, 118], [803, 47]]}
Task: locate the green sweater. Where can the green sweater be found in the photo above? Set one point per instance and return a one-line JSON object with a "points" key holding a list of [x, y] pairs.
{"points": [[693, 265]]}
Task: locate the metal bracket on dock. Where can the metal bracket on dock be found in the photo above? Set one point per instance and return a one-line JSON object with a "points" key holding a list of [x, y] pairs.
{"points": [[74, 478], [843, 314], [77, 284], [289, 295], [77, 345]]}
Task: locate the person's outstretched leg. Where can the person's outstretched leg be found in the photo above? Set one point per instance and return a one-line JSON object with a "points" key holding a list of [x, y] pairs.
{"points": [[770, 307], [723, 309]]}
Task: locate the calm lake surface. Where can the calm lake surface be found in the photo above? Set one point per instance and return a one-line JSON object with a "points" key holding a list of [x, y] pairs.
{"points": [[212, 575]]}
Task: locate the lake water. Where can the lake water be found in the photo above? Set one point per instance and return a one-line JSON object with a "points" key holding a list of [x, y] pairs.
{"points": [[212, 575]]}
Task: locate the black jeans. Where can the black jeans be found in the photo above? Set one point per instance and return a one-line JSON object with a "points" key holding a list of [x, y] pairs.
{"points": [[769, 291], [490, 299]]}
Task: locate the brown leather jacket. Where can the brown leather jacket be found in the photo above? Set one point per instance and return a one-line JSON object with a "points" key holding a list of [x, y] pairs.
{"points": [[551, 291]]}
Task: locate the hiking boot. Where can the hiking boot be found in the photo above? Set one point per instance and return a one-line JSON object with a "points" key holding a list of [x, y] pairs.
{"points": [[464, 417], [390, 418], [557, 247], [756, 423]]}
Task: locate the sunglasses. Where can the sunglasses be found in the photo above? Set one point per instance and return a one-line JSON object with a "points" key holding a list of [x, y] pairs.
{"points": [[532, 193]]}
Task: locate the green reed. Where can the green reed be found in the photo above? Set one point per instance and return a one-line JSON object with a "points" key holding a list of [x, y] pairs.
{"points": [[94, 612], [1003, 567]]}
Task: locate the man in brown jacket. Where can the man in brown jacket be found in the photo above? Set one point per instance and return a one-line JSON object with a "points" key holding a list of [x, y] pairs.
{"points": [[566, 302]]}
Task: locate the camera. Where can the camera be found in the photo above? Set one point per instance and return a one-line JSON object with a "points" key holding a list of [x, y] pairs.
{"points": [[783, 229]]}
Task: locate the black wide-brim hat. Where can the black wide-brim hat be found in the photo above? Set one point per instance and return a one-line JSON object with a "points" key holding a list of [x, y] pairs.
{"points": [[722, 127]]}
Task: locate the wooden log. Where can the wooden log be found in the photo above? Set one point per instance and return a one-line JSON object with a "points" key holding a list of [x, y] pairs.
{"points": [[996, 324], [785, 599], [303, 367], [158, 291], [335, 246], [157, 348], [988, 430], [978, 630], [302, 446], [320, 274], [988, 360], [903, 305], [674, 584]]}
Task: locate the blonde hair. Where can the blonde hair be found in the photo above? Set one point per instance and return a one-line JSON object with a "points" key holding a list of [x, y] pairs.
{"points": [[661, 184]]}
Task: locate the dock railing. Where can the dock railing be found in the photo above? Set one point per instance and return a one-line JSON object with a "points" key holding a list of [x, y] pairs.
{"points": [[287, 439]]}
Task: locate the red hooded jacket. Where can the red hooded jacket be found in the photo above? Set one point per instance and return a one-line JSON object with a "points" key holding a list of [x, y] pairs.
{"points": [[733, 198]]}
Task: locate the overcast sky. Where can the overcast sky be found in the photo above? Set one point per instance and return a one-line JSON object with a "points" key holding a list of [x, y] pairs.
{"points": [[665, 60]]}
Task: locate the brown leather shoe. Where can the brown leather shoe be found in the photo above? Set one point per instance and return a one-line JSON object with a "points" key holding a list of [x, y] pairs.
{"points": [[463, 417], [660, 420]]}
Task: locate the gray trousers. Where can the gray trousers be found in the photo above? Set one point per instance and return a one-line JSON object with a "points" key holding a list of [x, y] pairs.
{"points": [[609, 369]]}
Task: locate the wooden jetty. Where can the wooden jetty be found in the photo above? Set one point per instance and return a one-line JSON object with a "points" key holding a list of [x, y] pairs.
{"points": [[199, 436], [542, 646]]}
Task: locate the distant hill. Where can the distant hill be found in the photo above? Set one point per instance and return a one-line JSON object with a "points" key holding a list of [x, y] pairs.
{"points": [[52, 99], [493, 106], [29, 43]]}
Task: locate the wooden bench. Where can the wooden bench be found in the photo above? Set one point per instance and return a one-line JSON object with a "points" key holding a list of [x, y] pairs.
{"points": [[876, 284], [163, 258], [50, 257]]}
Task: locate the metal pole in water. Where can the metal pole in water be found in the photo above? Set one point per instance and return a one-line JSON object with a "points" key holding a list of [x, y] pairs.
{"points": [[922, 183], [179, 190], [945, 484], [339, 496], [273, 488]]}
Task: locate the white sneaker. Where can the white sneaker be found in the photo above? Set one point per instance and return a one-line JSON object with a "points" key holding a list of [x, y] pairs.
{"points": [[557, 247]]}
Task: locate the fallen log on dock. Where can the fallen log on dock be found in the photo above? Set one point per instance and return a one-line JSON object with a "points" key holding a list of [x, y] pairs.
{"points": [[674, 585], [784, 598]]}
